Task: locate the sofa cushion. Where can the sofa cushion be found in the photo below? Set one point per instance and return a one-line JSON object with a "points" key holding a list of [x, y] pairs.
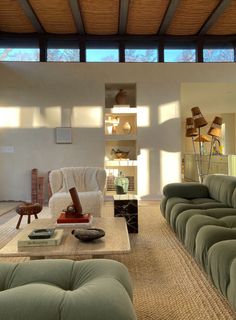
{"points": [[182, 220], [200, 203], [220, 257], [221, 188], [196, 222], [206, 237], [186, 190], [65, 290]]}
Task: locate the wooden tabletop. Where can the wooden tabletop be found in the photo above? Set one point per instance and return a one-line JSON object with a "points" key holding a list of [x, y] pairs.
{"points": [[115, 241]]}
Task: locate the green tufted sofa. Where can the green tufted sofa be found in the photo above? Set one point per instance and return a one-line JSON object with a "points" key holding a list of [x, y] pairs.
{"points": [[65, 289], [203, 216]]}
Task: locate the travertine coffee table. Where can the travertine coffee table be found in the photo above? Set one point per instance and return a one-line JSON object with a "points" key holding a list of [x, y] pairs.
{"points": [[115, 241]]}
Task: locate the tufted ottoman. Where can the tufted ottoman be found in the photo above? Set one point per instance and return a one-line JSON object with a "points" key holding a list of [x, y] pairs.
{"points": [[65, 290]]}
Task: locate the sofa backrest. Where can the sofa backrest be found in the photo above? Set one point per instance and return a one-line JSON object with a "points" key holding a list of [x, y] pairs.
{"points": [[222, 188], [83, 178]]}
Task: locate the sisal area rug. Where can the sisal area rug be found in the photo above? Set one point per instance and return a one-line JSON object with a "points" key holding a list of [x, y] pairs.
{"points": [[7, 206], [167, 282]]}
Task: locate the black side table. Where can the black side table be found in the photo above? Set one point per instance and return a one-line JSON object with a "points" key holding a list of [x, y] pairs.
{"points": [[126, 205]]}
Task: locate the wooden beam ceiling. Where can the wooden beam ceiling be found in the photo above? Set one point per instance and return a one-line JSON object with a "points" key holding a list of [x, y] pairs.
{"points": [[29, 12], [77, 16], [168, 16], [124, 8], [214, 16]]}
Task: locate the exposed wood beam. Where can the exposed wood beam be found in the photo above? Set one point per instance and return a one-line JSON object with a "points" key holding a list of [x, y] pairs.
{"points": [[214, 16], [124, 8], [29, 12], [168, 16], [77, 16], [126, 38]]}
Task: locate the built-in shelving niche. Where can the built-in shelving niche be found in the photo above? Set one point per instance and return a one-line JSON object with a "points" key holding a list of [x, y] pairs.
{"points": [[112, 89]]}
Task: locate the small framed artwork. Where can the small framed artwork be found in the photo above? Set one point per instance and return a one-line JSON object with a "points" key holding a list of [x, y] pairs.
{"points": [[63, 135]]}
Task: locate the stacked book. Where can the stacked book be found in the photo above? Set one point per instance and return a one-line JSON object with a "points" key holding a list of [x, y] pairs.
{"points": [[70, 221], [54, 239]]}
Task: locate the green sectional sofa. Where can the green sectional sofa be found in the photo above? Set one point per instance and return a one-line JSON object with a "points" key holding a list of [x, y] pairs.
{"points": [[65, 290], [203, 216]]}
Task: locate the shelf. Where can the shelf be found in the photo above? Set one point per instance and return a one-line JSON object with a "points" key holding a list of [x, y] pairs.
{"points": [[112, 137], [111, 91], [121, 163], [121, 110]]}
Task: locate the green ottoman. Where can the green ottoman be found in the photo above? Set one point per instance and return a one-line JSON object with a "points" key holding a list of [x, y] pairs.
{"points": [[66, 290]]}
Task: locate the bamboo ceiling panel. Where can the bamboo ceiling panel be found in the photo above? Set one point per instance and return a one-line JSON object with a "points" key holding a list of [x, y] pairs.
{"points": [[226, 23], [13, 18], [190, 16], [145, 16], [100, 17], [54, 15]]}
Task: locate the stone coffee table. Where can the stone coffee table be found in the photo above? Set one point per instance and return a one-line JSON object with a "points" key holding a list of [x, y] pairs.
{"points": [[115, 241]]}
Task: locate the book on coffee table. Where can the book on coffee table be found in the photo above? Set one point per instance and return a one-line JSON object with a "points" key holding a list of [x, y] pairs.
{"points": [[54, 240], [84, 221]]}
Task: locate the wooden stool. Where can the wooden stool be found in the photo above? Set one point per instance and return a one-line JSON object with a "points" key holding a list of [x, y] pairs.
{"points": [[27, 209]]}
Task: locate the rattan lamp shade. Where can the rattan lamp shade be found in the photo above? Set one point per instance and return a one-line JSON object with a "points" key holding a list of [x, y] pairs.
{"points": [[202, 138], [215, 129], [190, 130], [199, 120]]}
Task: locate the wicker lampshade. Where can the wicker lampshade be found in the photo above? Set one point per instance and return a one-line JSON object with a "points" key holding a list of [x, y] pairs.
{"points": [[215, 129], [202, 138], [199, 120], [190, 130]]}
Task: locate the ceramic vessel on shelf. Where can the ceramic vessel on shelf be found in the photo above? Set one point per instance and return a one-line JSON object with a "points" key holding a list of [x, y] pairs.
{"points": [[121, 97], [121, 184], [126, 128], [119, 154]]}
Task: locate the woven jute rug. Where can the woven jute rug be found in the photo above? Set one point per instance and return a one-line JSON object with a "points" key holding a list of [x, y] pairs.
{"points": [[7, 206], [167, 282]]}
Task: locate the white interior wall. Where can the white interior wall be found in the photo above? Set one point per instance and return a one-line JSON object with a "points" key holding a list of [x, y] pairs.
{"points": [[79, 87]]}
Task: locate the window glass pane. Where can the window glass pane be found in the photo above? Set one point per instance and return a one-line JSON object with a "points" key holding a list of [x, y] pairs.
{"points": [[141, 55], [180, 55], [218, 55], [65, 55], [19, 54], [102, 55]]}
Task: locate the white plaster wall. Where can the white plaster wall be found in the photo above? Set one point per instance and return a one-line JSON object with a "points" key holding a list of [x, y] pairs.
{"points": [[69, 85], [229, 133]]}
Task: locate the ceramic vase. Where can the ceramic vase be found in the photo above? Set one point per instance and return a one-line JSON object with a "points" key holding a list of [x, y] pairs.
{"points": [[126, 128], [121, 97], [121, 184]]}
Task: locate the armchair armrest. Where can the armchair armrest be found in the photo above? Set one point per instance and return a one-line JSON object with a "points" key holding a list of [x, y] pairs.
{"points": [[186, 190]]}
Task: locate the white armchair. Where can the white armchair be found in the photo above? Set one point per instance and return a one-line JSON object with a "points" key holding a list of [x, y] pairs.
{"points": [[90, 183]]}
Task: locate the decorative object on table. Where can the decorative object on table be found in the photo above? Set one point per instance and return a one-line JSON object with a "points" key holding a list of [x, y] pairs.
{"points": [[89, 234], [127, 128], [119, 154], [28, 209], [74, 213], [121, 183], [121, 97], [199, 121], [54, 240], [41, 233]]}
